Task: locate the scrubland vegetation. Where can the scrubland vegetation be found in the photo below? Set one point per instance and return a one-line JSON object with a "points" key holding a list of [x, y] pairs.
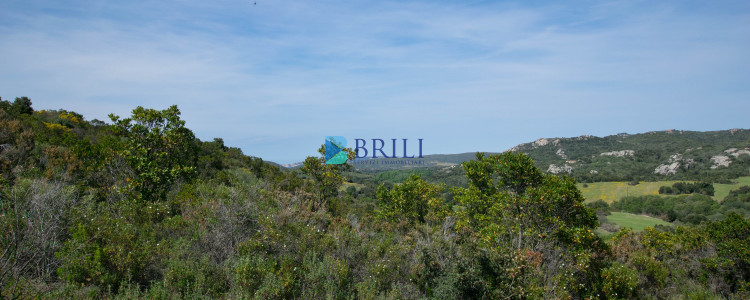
{"points": [[138, 208]]}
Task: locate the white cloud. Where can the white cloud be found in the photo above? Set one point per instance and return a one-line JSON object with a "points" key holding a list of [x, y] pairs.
{"points": [[266, 75]]}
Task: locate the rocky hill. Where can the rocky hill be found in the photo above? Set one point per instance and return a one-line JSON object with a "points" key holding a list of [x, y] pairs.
{"points": [[656, 155]]}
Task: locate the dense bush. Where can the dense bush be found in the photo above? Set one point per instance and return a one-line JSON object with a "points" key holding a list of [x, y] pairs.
{"points": [[738, 201], [141, 209], [414, 200], [679, 188], [687, 209], [619, 282]]}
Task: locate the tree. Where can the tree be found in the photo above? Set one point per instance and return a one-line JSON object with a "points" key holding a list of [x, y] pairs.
{"points": [[22, 105], [512, 207], [16, 142], [732, 238], [509, 186], [412, 200], [327, 177], [159, 149]]}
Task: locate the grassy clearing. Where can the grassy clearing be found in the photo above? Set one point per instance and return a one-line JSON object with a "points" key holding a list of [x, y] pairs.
{"points": [[346, 185], [722, 190], [603, 233], [612, 191], [637, 222]]}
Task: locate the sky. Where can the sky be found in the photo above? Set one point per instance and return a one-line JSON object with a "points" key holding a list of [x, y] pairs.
{"points": [[274, 77]]}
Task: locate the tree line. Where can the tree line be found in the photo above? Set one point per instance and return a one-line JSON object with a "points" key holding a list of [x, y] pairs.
{"points": [[138, 207]]}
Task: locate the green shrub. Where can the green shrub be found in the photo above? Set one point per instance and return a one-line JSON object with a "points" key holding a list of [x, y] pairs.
{"points": [[413, 200], [195, 277], [266, 278], [619, 281], [654, 271], [324, 278], [111, 244]]}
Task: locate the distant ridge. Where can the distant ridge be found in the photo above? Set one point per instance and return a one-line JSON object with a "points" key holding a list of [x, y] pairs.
{"points": [[655, 155], [380, 163], [428, 161], [292, 165]]}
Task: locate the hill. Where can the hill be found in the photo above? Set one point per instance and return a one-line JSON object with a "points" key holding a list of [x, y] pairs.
{"points": [[428, 161], [652, 156]]}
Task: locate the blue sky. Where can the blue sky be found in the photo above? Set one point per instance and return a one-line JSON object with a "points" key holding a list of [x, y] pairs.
{"points": [[275, 78]]}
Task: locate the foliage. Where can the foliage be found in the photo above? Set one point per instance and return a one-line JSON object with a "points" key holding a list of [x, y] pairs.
{"points": [[510, 204], [688, 188], [396, 176], [601, 207], [33, 221], [159, 149], [20, 106], [109, 245], [619, 282], [738, 201], [415, 200], [690, 209], [16, 143], [636, 222], [141, 209], [594, 159], [732, 239], [327, 177]]}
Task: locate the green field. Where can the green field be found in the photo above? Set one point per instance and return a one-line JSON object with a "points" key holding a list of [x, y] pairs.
{"points": [[345, 185], [603, 233], [722, 190], [611, 191], [637, 222]]}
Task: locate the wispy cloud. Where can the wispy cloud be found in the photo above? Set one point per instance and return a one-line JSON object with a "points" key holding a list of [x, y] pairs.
{"points": [[275, 77]]}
